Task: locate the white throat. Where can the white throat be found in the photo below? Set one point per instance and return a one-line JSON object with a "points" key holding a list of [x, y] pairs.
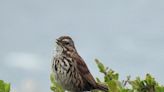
{"points": [[59, 49]]}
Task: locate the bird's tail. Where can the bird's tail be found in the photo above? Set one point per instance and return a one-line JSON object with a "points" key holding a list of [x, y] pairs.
{"points": [[102, 87]]}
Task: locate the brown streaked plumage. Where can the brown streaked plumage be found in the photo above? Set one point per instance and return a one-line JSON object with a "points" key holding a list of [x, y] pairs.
{"points": [[70, 70]]}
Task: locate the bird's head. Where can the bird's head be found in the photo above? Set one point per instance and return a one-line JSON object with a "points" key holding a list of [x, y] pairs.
{"points": [[64, 44]]}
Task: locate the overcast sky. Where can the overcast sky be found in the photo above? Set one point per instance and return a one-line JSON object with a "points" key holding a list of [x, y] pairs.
{"points": [[126, 35]]}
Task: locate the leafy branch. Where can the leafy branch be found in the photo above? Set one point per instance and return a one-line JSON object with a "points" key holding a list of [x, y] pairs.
{"points": [[111, 78]]}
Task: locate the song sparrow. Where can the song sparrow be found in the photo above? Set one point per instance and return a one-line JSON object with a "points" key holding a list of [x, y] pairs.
{"points": [[70, 70]]}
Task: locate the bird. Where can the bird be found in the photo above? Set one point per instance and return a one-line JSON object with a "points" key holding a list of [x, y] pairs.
{"points": [[70, 70]]}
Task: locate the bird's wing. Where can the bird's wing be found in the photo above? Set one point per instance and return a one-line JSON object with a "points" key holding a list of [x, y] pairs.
{"points": [[83, 69]]}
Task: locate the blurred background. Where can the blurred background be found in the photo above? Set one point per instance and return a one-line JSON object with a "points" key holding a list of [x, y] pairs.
{"points": [[126, 35]]}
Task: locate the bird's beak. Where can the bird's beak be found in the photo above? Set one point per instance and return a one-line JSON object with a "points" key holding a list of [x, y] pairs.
{"points": [[58, 41]]}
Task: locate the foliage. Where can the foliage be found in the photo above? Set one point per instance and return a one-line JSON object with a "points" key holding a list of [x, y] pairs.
{"points": [[4, 87], [55, 87], [111, 79]]}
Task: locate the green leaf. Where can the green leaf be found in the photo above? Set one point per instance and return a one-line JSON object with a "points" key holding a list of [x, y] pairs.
{"points": [[7, 87], [100, 66], [159, 89], [4, 87], [55, 87]]}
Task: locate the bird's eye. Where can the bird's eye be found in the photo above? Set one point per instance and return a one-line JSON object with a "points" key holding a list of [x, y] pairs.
{"points": [[67, 43]]}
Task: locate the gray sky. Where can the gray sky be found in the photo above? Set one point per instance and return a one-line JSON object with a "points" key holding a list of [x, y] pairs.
{"points": [[126, 35]]}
